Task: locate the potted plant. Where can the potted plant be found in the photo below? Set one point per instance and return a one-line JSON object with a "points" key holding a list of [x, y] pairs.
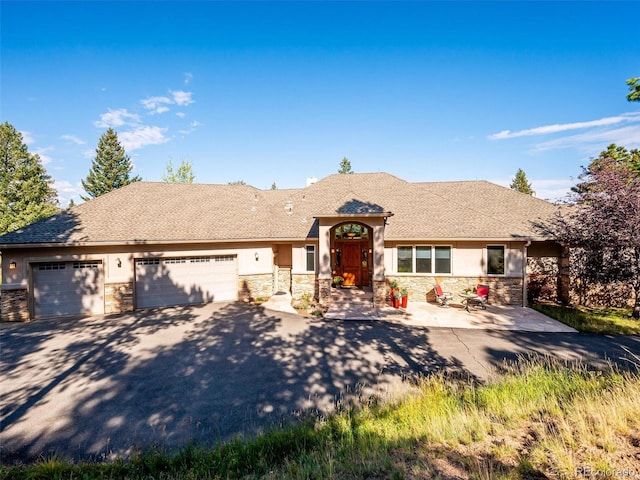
{"points": [[337, 281], [393, 287], [404, 296], [397, 298]]}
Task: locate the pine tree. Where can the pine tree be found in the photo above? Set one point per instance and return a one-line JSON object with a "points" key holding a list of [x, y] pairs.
{"points": [[274, 186], [26, 194], [110, 169], [184, 173], [521, 184], [345, 166]]}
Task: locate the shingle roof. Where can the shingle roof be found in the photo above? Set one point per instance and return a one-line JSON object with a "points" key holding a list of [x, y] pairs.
{"points": [[173, 212]]}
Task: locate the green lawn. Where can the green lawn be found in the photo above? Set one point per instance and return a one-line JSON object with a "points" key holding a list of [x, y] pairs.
{"points": [[539, 420], [606, 321]]}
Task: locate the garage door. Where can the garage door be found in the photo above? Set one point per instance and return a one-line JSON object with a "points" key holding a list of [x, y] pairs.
{"points": [[67, 288], [162, 282]]}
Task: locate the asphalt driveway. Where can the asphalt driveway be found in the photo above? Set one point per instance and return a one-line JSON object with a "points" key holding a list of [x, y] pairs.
{"points": [[107, 385]]}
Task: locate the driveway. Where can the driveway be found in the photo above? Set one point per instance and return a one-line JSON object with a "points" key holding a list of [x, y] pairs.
{"points": [[107, 385]]}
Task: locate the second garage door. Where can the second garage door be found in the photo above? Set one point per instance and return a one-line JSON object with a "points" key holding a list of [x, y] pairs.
{"points": [[163, 282]]}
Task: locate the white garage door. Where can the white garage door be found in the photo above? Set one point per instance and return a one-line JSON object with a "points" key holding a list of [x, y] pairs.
{"points": [[68, 288], [162, 282]]}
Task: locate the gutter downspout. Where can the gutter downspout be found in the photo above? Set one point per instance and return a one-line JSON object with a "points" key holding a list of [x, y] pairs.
{"points": [[525, 286]]}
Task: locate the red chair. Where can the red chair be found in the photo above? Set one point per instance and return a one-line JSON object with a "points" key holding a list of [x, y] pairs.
{"points": [[481, 298], [442, 297]]}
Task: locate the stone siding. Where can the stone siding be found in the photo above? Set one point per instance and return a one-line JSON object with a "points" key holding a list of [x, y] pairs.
{"points": [[502, 291], [14, 306], [251, 287], [304, 283], [118, 297], [284, 279]]}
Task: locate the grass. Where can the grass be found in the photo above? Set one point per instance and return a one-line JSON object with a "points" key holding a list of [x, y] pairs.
{"points": [[539, 419], [606, 321]]}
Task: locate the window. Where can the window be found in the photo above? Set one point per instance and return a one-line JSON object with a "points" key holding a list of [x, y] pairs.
{"points": [[405, 259], [443, 260], [311, 258], [427, 259], [423, 259], [495, 260]]}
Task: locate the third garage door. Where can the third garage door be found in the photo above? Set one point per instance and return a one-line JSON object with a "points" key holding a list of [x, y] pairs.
{"points": [[162, 282]]}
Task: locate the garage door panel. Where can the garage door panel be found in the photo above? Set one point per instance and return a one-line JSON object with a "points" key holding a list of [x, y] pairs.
{"points": [[185, 280], [68, 288]]}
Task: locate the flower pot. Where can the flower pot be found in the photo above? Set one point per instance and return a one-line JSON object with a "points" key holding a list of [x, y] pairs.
{"points": [[404, 302], [396, 302], [392, 295]]}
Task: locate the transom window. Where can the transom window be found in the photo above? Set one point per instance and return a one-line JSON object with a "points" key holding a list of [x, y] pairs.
{"points": [[424, 259], [351, 231]]}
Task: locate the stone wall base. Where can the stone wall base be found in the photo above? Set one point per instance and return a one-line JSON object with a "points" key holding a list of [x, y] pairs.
{"points": [[251, 287], [284, 279], [118, 297], [14, 306], [502, 291], [304, 284]]}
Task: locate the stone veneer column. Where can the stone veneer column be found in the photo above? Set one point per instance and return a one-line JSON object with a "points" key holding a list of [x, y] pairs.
{"points": [[118, 297], [324, 263], [379, 283], [14, 306]]}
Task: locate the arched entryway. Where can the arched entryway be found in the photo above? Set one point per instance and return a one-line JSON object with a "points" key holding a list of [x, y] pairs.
{"points": [[351, 253]]}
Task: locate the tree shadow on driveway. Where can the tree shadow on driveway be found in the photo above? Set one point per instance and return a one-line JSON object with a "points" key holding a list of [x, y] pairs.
{"points": [[108, 385]]}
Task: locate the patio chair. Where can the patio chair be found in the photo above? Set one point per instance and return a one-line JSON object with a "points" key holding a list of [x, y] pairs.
{"points": [[442, 297], [482, 292]]}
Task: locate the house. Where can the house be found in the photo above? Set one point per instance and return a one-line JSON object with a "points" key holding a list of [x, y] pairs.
{"points": [[162, 244]]}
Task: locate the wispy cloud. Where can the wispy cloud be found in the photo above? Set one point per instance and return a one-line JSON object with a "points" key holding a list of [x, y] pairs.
{"points": [[182, 98], [117, 118], [142, 136], [188, 76], [563, 127], [628, 136], [73, 139], [160, 104]]}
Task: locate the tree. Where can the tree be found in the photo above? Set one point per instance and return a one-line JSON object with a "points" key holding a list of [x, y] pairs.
{"points": [[613, 157], [71, 204], [521, 184], [274, 186], [237, 182], [604, 224], [184, 173], [634, 89], [110, 169], [345, 166], [26, 194]]}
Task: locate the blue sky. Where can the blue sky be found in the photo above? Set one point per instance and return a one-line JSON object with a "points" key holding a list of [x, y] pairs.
{"points": [[279, 92]]}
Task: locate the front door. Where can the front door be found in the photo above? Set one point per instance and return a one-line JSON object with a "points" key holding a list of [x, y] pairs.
{"points": [[354, 262]]}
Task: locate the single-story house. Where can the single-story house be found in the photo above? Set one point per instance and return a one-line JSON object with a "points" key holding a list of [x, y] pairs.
{"points": [[162, 244]]}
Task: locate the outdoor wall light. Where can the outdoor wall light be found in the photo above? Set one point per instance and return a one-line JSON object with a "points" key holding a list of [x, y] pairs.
{"points": [[13, 265], [333, 250], [118, 262], [257, 256]]}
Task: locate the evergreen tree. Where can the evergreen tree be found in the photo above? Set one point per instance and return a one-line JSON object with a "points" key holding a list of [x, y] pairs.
{"points": [[634, 89], [274, 186], [184, 173], [345, 166], [521, 184], [26, 194], [110, 169]]}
